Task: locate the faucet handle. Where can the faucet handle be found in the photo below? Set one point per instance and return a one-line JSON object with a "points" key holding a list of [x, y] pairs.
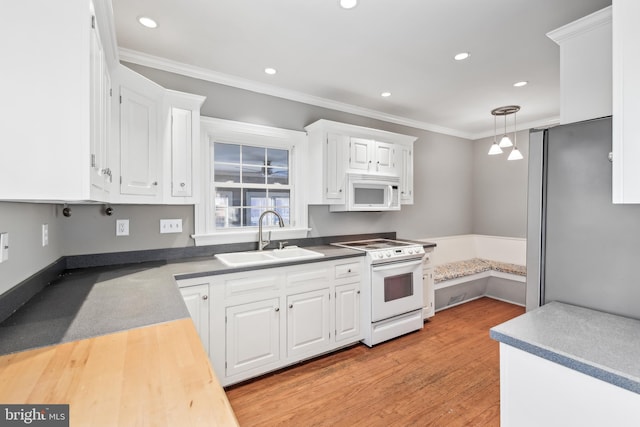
{"points": [[281, 244]]}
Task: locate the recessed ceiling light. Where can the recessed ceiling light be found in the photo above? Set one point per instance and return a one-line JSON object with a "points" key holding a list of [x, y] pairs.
{"points": [[348, 4], [385, 94], [147, 22], [462, 56], [520, 84], [270, 71]]}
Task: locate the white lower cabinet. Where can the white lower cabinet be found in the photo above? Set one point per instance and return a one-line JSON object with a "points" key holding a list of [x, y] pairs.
{"points": [[196, 298], [252, 336], [347, 311], [263, 320], [308, 323]]}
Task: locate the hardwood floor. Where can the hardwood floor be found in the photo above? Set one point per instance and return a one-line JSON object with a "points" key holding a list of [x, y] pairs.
{"points": [[447, 374]]}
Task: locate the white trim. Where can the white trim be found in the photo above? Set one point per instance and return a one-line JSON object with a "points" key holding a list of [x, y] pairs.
{"points": [[140, 58], [581, 26]]}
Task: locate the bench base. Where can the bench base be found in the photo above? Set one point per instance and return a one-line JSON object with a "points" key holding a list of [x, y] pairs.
{"points": [[506, 287]]}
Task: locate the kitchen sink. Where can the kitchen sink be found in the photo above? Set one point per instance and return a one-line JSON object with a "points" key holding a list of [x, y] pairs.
{"points": [[246, 259]]}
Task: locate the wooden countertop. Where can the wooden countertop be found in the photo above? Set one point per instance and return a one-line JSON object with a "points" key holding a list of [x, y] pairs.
{"points": [[156, 375]]}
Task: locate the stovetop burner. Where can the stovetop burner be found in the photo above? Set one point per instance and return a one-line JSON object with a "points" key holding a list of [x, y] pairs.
{"points": [[385, 250]]}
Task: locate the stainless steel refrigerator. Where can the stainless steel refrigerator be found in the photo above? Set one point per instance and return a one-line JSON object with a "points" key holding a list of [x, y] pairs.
{"points": [[581, 248]]}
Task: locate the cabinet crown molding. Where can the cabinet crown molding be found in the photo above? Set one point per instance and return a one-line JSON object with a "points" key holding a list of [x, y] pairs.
{"points": [[581, 26]]}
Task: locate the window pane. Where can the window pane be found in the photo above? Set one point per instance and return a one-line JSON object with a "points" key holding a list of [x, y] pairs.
{"points": [[277, 157], [226, 173], [229, 153], [228, 197], [277, 176], [253, 155], [253, 175], [256, 198], [227, 217]]}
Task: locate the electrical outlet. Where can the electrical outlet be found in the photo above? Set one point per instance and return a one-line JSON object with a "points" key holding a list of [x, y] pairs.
{"points": [[170, 226], [4, 247], [122, 227], [45, 235]]}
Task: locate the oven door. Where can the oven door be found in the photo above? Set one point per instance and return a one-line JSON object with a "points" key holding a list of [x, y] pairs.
{"points": [[396, 288]]}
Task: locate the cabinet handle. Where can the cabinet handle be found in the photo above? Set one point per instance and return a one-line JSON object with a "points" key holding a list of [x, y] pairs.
{"points": [[340, 190], [358, 292], [155, 183], [277, 309], [182, 184], [205, 297], [290, 305], [349, 271]]}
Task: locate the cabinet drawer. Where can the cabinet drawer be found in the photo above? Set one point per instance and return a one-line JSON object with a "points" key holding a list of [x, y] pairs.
{"points": [[251, 284], [347, 270]]}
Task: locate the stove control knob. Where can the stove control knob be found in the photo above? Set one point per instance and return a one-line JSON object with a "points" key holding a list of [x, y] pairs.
{"points": [[379, 255], [410, 251], [388, 254]]}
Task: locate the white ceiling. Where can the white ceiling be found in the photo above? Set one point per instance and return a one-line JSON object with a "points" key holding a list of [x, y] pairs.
{"points": [[344, 59]]}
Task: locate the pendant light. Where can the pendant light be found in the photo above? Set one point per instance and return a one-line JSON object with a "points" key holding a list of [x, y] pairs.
{"points": [[495, 148], [505, 142]]}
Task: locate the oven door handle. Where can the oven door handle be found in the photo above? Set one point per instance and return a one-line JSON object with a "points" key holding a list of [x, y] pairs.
{"points": [[395, 265]]}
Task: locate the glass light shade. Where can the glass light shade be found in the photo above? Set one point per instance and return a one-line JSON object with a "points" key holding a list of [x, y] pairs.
{"points": [[495, 149], [505, 142], [515, 154]]}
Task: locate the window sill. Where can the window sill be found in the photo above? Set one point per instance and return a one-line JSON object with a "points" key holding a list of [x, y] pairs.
{"points": [[242, 236]]}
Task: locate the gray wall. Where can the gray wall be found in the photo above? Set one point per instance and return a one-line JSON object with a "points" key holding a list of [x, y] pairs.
{"points": [[500, 190], [23, 222], [443, 164]]}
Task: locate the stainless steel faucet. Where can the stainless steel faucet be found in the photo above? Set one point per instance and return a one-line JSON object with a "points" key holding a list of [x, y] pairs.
{"points": [[261, 242]]}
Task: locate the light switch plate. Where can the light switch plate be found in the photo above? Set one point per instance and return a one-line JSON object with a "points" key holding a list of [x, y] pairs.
{"points": [[122, 227], [170, 226], [4, 247]]}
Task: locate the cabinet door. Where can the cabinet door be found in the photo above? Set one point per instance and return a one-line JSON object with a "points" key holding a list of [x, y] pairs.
{"points": [[181, 146], [335, 168], [626, 101], [252, 335], [429, 293], [197, 300], [384, 158], [361, 154], [138, 144], [308, 323], [406, 176], [347, 311]]}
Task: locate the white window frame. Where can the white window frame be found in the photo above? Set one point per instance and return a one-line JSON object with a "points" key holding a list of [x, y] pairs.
{"points": [[227, 131]]}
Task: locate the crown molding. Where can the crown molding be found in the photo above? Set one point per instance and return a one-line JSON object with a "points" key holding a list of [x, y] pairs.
{"points": [[580, 26], [171, 66]]}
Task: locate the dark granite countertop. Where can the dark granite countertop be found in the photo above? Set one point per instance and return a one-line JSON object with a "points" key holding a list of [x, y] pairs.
{"points": [[89, 302], [601, 345]]}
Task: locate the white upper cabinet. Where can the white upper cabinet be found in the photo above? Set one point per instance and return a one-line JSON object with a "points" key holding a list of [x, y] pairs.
{"points": [[585, 67], [140, 101], [372, 156], [181, 146], [337, 149], [58, 60], [626, 101]]}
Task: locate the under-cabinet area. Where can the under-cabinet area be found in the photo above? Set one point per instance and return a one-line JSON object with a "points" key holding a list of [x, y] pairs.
{"points": [[265, 319]]}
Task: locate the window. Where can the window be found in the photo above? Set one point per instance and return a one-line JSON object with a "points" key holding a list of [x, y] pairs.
{"points": [[251, 169], [247, 180]]}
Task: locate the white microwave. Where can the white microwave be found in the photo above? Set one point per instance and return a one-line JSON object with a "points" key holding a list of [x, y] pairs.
{"points": [[370, 193]]}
